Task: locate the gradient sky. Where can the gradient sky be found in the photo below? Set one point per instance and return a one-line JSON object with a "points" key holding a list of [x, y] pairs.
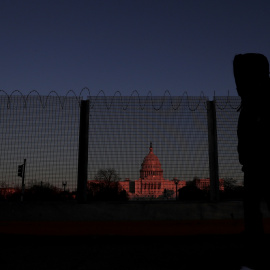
{"points": [[126, 45]]}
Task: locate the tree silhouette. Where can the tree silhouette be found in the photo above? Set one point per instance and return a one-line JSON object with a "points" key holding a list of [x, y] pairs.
{"points": [[106, 187], [108, 176]]}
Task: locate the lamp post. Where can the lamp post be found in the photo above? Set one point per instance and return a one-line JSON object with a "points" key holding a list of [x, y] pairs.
{"points": [[21, 173], [64, 183], [176, 181]]}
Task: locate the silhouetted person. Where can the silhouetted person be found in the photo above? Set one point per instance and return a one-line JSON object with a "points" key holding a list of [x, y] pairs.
{"points": [[251, 73]]}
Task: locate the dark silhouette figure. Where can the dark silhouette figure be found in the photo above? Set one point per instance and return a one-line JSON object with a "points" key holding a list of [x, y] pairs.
{"points": [[251, 73]]}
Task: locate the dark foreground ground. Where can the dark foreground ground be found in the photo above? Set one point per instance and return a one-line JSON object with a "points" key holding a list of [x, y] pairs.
{"points": [[109, 237], [112, 252], [81, 252]]}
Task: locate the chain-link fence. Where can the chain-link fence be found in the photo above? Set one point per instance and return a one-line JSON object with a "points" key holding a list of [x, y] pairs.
{"points": [[45, 132]]}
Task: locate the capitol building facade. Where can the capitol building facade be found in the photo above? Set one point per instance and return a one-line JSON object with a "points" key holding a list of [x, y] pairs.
{"points": [[151, 183]]}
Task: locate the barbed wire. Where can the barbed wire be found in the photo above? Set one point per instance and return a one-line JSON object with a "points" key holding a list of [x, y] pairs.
{"points": [[125, 100], [228, 102], [143, 101], [43, 104]]}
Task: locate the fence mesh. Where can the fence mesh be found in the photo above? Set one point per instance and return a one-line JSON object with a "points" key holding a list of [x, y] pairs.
{"points": [[45, 131], [227, 119], [121, 130]]}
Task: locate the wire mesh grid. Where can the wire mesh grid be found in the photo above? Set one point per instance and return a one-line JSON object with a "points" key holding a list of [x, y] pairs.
{"points": [[121, 129], [47, 137], [227, 119]]}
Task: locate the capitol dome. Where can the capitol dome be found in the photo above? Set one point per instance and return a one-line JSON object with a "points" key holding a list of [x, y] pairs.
{"points": [[151, 166]]}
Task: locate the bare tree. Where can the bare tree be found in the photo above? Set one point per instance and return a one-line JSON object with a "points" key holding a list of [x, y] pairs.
{"points": [[106, 187], [108, 176]]}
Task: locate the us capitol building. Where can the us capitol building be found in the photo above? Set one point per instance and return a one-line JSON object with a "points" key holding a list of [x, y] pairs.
{"points": [[151, 183]]}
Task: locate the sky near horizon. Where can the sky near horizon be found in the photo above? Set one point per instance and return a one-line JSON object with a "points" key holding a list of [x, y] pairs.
{"points": [[126, 45]]}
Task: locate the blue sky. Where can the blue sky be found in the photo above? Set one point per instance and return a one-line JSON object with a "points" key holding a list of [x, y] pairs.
{"points": [[126, 45]]}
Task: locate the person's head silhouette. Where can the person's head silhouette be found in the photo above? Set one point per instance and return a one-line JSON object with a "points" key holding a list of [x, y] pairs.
{"points": [[251, 74]]}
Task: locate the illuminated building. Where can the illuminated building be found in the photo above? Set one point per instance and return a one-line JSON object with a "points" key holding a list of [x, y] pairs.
{"points": [[204, 184], [151, 183], [7, 191]]}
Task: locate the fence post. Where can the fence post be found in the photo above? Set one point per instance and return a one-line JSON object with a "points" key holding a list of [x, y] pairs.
{"points": [[213, 151], [83, 152]]}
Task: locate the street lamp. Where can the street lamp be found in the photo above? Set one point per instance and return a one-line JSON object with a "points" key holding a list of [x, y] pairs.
{"points": [[176, 181], [64, 183]]}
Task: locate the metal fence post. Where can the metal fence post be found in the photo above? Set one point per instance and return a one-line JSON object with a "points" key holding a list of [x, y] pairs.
{"points": [[83, 152], [213, 151]]}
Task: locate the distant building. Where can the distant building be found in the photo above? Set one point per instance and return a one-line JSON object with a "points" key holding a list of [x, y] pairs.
{"points": [[204, 184], [151, 183], [7, 191], [96, 185]]}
